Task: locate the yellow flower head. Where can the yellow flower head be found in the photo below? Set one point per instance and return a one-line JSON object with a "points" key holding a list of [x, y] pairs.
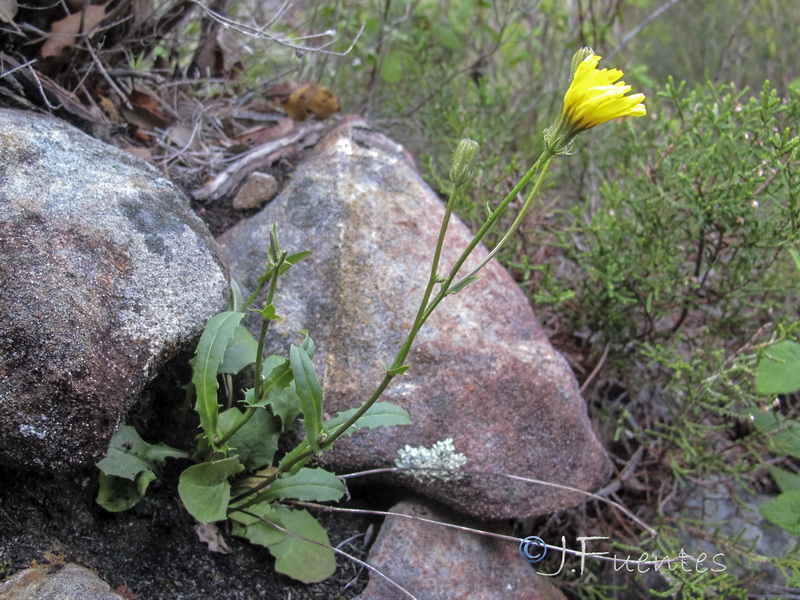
{"points": [[595, 96]]}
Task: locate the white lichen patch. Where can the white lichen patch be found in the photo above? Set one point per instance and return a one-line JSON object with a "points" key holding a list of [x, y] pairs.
{"points": [[442, 455]]}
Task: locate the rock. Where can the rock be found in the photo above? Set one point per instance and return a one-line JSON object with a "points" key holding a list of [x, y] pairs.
{"points": [[482, 371], [106, 275], [257, 190], [439, 563], [728, 512], [57, 582]]}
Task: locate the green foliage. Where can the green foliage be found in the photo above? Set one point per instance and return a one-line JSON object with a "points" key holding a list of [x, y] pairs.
{"points": [[681, 257], [129, 468], [784, 511], [205, 491], [298, 542], [234, 477], [218, 335], [778, 371], [696, 211]]}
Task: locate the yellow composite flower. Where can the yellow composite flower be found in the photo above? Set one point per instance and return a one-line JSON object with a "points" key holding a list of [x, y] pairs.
{"points": [[594, 97]]}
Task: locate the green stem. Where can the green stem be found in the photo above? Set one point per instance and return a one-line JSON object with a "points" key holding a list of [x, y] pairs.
{"points": [[548, 159], [257, 376], [426, 307]]}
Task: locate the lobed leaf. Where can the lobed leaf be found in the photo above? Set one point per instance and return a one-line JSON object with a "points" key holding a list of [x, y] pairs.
{"points": [[128, 469], [313, 485], [256, 442], [240, 353]]}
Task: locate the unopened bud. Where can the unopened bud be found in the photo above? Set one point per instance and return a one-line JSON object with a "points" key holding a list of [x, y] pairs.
{"points": [[577, 59], [464, 159]]}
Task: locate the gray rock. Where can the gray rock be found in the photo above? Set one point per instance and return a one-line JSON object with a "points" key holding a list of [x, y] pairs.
{"points": [[106, 274], [56, 582], [712, 512], [258, 189], [434, 562], [482, 372]]}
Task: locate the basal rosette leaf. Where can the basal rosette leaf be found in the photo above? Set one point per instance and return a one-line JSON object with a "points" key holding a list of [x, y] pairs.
{"points": [[205, 490]]}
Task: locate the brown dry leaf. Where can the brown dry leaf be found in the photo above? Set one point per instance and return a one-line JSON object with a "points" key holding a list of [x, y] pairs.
{"points": [[209, 534], [220, 55], [107, 106], [262, 135], [311, 100], [146, 111], [64, 33], [257, 478], [8, 10]]}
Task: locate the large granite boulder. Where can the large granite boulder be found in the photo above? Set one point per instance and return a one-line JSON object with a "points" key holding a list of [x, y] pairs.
{"points": [[482, 372], [106, 274]]}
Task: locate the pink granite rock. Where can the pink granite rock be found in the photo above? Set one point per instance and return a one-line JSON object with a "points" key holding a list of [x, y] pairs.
{"points": [[440, 563], [482, 372]]}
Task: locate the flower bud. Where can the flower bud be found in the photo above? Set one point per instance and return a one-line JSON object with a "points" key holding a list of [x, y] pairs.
{"points": [[464, 159], [577, 59]]}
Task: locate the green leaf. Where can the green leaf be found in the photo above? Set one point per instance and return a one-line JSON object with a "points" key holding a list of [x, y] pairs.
{"points": [[161, 452], [380, 414], [253, 525], [128, 469], [787, 441], [300, 559], [117, 494], [236, 301], [308, 484], [256, 442], [795, 257], [778, 371], [285, 405], [446, 37], [786, 480], [309, 392], [401, 370], [298, 450], [278, 391], [308, 344], [127, 455], [268, 313], [293, 260], [393, 66], [240, 353], [217, 335], [461, 285], [784, 511], [205, 491]]}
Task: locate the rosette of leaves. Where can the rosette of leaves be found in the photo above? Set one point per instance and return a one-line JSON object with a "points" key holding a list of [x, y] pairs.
{"points": [[237, 474]]}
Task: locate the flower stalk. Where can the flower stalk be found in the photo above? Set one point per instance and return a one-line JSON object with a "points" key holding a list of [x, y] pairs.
{"points": [[594, 96]]}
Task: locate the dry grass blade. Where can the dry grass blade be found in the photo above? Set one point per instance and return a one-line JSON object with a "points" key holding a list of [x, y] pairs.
{"points": [[559, 486]]}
